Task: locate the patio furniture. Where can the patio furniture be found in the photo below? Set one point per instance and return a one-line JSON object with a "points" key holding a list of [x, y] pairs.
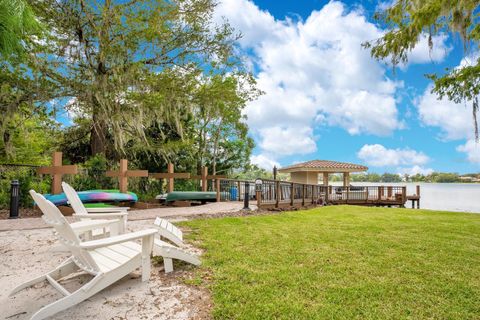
{"points": [[108, 260], [81, 212], [168, 251]]}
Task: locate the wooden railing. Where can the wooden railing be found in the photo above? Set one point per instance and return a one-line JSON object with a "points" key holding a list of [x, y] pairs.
{"points": [[275, 193]]}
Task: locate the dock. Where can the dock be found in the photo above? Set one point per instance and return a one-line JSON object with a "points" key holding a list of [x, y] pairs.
{"points": [[269, 194]]}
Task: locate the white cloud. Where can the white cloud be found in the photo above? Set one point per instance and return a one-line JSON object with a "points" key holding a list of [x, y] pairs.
{"points": [[454, 120], [416, 169], [422, 53], [472, 149], [264, 161], [279, 141], [314, 72], [378, 156]]}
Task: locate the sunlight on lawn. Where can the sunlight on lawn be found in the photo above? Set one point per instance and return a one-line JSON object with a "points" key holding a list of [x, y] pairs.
{"points": [[343, 262]]}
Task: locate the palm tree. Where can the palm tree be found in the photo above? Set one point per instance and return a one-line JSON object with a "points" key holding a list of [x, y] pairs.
{"points": [[17, 20]]}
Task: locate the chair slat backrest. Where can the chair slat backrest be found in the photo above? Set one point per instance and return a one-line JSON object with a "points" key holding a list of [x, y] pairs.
{"points": [[73, 199], [65, 233]]}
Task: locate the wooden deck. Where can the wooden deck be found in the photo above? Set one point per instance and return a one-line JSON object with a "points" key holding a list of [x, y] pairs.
{"points": [[277, 194]]}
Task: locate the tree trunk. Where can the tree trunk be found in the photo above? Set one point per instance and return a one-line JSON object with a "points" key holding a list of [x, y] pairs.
{"points": [[98, 135]]}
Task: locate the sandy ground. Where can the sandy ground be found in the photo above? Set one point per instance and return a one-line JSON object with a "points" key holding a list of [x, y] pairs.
{"points": [[210, 209], [25, 254]]}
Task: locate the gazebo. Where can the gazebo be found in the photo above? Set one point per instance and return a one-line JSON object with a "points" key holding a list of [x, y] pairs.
{"points": [[307, 172]]}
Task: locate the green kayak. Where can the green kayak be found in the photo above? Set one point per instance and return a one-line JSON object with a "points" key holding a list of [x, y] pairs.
{"points": [[192, 196]]}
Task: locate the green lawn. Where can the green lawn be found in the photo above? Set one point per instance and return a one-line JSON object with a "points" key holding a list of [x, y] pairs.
{"points": [[343, 262]]}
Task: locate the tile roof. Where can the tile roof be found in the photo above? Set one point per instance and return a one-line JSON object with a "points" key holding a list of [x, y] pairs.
{"points": [[327, 165]]}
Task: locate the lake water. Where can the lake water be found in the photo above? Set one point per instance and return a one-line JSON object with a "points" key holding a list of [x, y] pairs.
{"points": [[439, 196]]}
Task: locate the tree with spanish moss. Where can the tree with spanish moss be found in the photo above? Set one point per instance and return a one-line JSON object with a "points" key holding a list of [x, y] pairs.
{"points": [[408, 20], [102, 53]]}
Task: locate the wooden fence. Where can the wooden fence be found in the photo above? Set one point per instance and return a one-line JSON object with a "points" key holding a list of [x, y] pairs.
{"points": [[274, 193]]}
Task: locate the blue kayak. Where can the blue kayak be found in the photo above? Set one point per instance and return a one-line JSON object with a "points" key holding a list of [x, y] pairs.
{"points": [[94, 196]]}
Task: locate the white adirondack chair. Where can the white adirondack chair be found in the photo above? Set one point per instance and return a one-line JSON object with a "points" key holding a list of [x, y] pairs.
{"points": [[118, 213], [86, 228], [108, 260], [164, 227], [168, 251]]}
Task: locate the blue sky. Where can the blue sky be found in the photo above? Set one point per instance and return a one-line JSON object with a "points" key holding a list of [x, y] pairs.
{"points": [[325, 98]]}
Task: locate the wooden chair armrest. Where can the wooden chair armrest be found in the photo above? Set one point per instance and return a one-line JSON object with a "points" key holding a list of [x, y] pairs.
{"points": [[90, 245], [101, 215], [107, 210], [88, 225]]}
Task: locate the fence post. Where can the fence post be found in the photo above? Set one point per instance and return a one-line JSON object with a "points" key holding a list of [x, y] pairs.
{"points": [[258, 192], [303, 194], [404, 195], [277, 193], [292, 193], [217, 187], [380, 191], [325, 188], [348, 193], [247, 196], [418, 194], [313, 194], [239, 190]]}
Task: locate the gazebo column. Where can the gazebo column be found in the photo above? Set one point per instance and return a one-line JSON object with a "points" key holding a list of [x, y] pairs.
{"points": [[346, 179], [325, 178]]}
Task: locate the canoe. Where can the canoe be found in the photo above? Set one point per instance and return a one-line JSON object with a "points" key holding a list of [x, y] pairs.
{"points": [[94, 196], [191, 196]]}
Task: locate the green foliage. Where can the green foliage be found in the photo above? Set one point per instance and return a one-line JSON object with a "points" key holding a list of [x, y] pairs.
{"points": [[28, 139], [390, 177], [408, 20], [93, 175], [27, 179], [369, 177], [253, 172], [342, 262], [132, 66], [17, 23]]}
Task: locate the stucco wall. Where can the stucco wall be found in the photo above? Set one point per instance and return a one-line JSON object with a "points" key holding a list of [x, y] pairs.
{"points": [[304, 177]]}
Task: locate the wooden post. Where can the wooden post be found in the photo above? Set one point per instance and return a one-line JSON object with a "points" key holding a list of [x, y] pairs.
{"points": [[346, 179], [57, 171], [204, 179], [258, 195], [404, 195], [348, 193], [303, 194], [217, 187], [170, 180], [325, 178], [170, 176], [277, 193], [389, 192], [380, 191], [326, 194], [418, 194], [292, 193], [123, 174], [313, 194], [238, 190]]}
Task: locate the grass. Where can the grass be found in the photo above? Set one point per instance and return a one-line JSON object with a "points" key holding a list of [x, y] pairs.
{"points": [[342, 262]]}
